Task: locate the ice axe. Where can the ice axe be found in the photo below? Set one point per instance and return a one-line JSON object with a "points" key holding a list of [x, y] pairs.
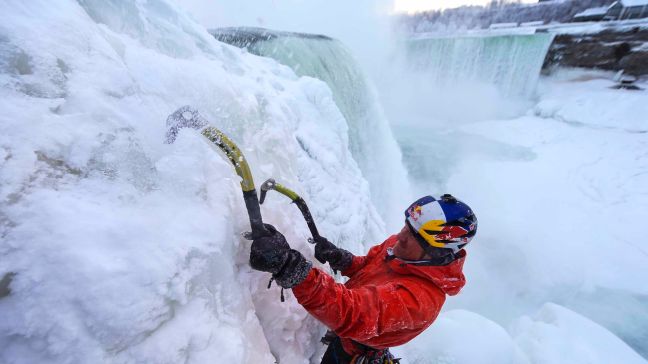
{"points": [[271, 184], [188, 117]]}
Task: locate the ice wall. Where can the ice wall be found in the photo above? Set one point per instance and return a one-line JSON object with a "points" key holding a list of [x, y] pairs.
{"points": [[510, 62], [123, 249], [370, 137]]}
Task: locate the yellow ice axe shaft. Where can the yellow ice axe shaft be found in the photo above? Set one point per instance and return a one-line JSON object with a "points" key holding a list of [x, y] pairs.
{"points": [[233, 153], [270, 184], [189, 117], [242, 168]]}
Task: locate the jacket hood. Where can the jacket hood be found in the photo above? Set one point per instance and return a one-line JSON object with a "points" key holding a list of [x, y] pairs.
{"points": [[449, 278]]}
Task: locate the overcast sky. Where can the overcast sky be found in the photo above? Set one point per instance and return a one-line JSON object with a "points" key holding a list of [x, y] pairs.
{"points": [[348, 20], [257, 12], [293, 12]]}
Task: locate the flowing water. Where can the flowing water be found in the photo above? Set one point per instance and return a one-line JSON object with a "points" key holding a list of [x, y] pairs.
{"points": [[511, 62], [370, 137], [446, 80]]}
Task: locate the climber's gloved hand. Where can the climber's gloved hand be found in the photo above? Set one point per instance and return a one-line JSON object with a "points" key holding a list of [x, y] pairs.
{"points": [[273, 238], [271, 253], [325, 251]]}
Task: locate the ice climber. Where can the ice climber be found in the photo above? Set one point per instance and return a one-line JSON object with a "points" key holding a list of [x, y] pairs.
{"points": [[393, 293]]}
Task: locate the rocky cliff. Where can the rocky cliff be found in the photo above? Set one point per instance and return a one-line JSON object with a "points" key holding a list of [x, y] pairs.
{"points": [[609, 49]]}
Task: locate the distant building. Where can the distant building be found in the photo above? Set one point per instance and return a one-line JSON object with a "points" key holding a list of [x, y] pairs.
{"points": [[532, 23], [502, 25], [592, 14], [621, 9], [627, 9]]}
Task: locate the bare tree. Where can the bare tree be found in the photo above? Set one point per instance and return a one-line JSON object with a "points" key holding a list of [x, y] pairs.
{"points": [[497, 11]]}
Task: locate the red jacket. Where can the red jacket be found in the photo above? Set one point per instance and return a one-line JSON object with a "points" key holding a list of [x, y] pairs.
{"points": [[385, 303]]}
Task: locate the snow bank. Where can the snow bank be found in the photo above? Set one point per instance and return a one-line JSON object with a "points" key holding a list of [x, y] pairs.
{"points": [[588, 100], [126, 249], [459, 337], [558, 335], [553, 335]]}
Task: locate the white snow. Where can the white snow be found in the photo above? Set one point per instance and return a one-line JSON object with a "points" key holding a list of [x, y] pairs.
{"points": [[558, 335], [554, 334], [597, 106], [459, 337]]}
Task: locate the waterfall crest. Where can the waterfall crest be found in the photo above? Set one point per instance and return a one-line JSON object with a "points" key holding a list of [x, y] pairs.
{"points": [[511, 62], [371, 141]]}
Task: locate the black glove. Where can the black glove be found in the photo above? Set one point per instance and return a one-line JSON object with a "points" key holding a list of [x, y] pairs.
{"points": [[268, 253], [272, 254], [325, 251]]}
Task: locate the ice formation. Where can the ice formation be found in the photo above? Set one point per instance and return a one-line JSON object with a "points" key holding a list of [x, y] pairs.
{"points": [[371, 140], [126, 249]]}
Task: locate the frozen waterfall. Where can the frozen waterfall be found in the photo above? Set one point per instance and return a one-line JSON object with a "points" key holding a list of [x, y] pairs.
{"points": [[511, 62], [438, 80], [370, 137]]}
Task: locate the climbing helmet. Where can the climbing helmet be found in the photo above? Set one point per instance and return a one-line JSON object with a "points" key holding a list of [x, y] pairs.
{"points": [[443, 222]]}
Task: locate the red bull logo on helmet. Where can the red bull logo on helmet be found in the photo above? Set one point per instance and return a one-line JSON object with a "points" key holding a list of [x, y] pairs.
{"points": [[415, 212], [451, 233]]}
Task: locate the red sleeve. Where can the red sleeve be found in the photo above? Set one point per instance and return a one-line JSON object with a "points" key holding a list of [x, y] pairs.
{"points": [[359, 262], [366, 312]]}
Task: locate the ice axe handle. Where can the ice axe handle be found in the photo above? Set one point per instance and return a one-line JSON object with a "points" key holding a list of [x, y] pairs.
{"points": [[271, 184], [254, 212], [301, 204]]}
